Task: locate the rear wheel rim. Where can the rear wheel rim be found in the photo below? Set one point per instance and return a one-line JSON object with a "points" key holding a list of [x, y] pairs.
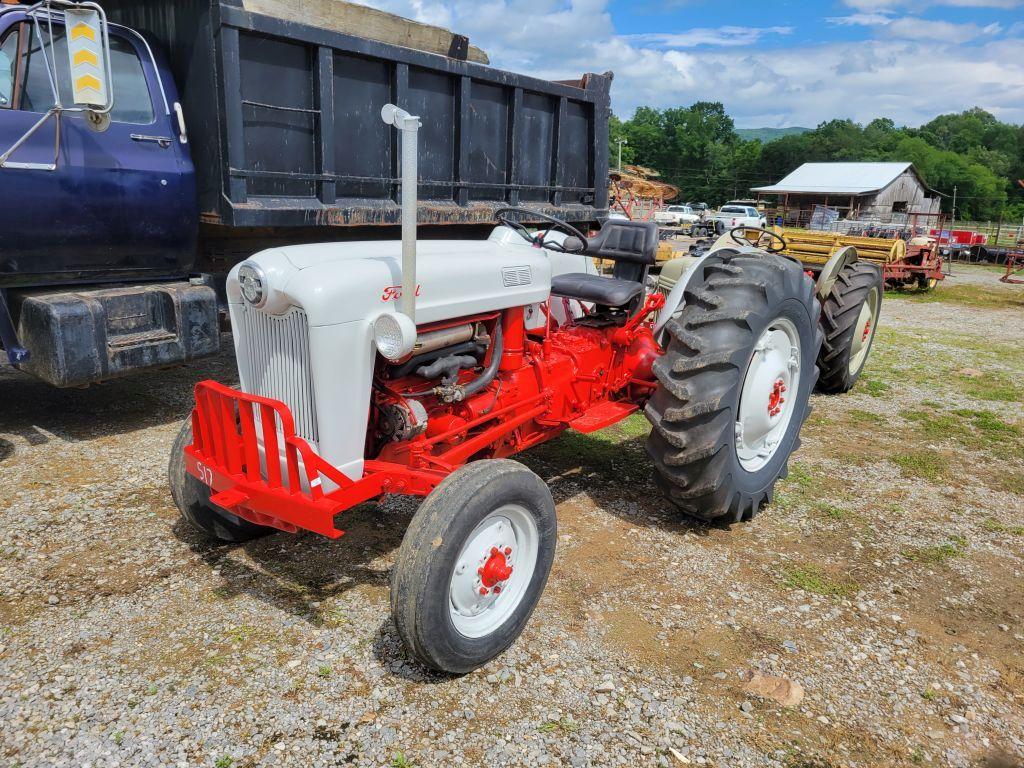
{"points": [[768, 395], [864, 332], [494, 570]]}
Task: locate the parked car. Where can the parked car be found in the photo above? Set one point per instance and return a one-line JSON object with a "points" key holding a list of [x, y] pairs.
{"points": [[676, 216], [740, 216]]}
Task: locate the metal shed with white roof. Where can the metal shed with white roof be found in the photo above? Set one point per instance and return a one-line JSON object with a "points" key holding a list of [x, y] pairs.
{"points": [[879, 191]]}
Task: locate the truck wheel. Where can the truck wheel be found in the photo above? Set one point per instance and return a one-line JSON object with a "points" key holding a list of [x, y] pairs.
{"points": [[193, 499], [849, 317], [734, 384], [473, 565]]}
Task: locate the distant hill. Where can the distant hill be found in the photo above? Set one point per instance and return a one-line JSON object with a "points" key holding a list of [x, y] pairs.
{"points": [[768, 134]]}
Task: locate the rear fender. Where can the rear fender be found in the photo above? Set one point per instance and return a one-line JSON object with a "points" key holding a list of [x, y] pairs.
{"points": [[830, 272]]}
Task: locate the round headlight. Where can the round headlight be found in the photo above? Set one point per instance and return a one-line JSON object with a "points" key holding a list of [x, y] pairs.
{"points": [[252, 282], [394, 334]]}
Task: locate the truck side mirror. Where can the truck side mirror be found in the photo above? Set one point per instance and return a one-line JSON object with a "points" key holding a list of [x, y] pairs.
{"points": [[88, 58], [88, 45]]}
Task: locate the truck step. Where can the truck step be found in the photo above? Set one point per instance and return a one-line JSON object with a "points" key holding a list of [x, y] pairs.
{"points": [[601, 416]]}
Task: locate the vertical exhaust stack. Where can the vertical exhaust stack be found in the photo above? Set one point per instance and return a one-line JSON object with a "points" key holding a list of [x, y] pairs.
{"points": [[409, 126]]}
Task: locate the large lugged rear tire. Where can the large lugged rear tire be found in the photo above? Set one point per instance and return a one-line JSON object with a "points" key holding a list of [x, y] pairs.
{"points": [[734, 384], [473, 565], [849, 317], [193, 499]]}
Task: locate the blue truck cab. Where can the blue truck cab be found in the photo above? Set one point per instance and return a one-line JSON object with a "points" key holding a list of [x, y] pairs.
{"points": [[147, 146], [98, 224]]}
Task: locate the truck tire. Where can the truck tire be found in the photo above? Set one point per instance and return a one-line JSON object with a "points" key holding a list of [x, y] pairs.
{"points": [[193, 499], [473, 565], [849, 317], [734, 384]]}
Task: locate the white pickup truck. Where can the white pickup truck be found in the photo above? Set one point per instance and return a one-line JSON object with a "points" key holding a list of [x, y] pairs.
{"points": [[739, 216], [676, 216]]}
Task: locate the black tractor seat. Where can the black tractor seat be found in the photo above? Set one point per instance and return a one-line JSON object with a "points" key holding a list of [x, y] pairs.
{"points": [[606, 291], [633, 246]]}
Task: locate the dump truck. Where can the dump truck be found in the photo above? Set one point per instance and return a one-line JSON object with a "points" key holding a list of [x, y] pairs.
{"points": [[146, 147]]}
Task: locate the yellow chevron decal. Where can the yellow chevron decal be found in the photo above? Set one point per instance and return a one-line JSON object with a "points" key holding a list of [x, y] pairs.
{"points": [[85, 56], [88, 81], [81, 29]]}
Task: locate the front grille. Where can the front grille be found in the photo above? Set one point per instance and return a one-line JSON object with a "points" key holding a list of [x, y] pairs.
{"points": [[275, 363]]}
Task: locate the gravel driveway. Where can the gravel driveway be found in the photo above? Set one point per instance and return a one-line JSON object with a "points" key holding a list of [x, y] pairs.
{"points": [[885, 583]]}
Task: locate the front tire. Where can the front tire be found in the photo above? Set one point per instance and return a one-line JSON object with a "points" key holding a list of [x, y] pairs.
{"points": [[473, 565], [734, 384], [849, 318], [193, 499]]}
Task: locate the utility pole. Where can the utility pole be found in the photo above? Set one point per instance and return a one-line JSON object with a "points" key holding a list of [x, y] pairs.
{"points": [[621, 142], [953, 214]]}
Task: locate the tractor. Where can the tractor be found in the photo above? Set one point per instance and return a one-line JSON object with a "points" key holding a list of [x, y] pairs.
{"points": [[849, 289], [420, 368]]}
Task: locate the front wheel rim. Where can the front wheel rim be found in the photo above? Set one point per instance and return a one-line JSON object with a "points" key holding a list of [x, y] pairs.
{"points": [[493, 571], [864, 331], [768, 395]]}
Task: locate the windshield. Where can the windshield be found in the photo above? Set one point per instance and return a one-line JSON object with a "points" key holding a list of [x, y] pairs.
{"points": [[734, 209]]}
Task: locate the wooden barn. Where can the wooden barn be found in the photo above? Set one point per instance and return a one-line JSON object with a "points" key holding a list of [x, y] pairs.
{"points": [[882, 192]]}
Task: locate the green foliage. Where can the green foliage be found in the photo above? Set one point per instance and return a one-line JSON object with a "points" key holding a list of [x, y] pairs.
{"points": [[698, 149], [938, 554], [811, 578]]}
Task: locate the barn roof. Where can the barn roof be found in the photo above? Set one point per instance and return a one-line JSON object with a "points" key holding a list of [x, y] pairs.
{"points": [[840, 178]]}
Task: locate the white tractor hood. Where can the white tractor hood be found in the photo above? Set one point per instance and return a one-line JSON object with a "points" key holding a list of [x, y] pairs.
{"points": [[335, 283]]}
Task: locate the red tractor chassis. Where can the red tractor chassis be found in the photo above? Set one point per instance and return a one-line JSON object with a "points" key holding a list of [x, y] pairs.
{"points": [[579, 376]]}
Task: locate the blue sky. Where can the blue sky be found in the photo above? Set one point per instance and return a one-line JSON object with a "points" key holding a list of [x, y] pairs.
{"points": [[777, 64]]}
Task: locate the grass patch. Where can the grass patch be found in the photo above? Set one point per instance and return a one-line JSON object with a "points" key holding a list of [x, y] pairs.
{"points": [[996, 387], [936, 555], [873, 387], [223, 762], [862, 418], [811, 578], [924, 464], [615, 450], [324, 671], [400, 761], [977, 430], [832, 512], [564, 725], [1013, 482], [992, 525], [995, 296]]}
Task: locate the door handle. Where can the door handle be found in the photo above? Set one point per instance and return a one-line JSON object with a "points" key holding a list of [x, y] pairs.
{"points": [[163, 141]]}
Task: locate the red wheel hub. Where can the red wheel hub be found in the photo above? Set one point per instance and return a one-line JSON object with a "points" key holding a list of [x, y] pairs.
{"points": [[495, 570], [775, 398], [867, 331]]}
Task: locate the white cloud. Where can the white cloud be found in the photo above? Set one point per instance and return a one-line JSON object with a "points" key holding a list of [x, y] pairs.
{"points": [[892, 5], [860, 19], [722, 37], [896, 74], [911, 28]]}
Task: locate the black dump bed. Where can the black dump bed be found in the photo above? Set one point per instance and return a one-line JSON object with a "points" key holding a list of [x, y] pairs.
{"points": [[285, 129]]}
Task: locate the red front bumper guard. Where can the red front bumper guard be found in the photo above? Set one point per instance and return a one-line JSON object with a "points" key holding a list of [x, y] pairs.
{"points": [[225, 455]]}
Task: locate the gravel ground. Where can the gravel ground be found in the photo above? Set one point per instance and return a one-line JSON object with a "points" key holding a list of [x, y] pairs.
{"points": [[886, 581]]}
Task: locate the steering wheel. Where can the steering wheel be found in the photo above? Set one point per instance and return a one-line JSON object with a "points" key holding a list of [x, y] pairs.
{"points": [[744, 240], [501, 215]]}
